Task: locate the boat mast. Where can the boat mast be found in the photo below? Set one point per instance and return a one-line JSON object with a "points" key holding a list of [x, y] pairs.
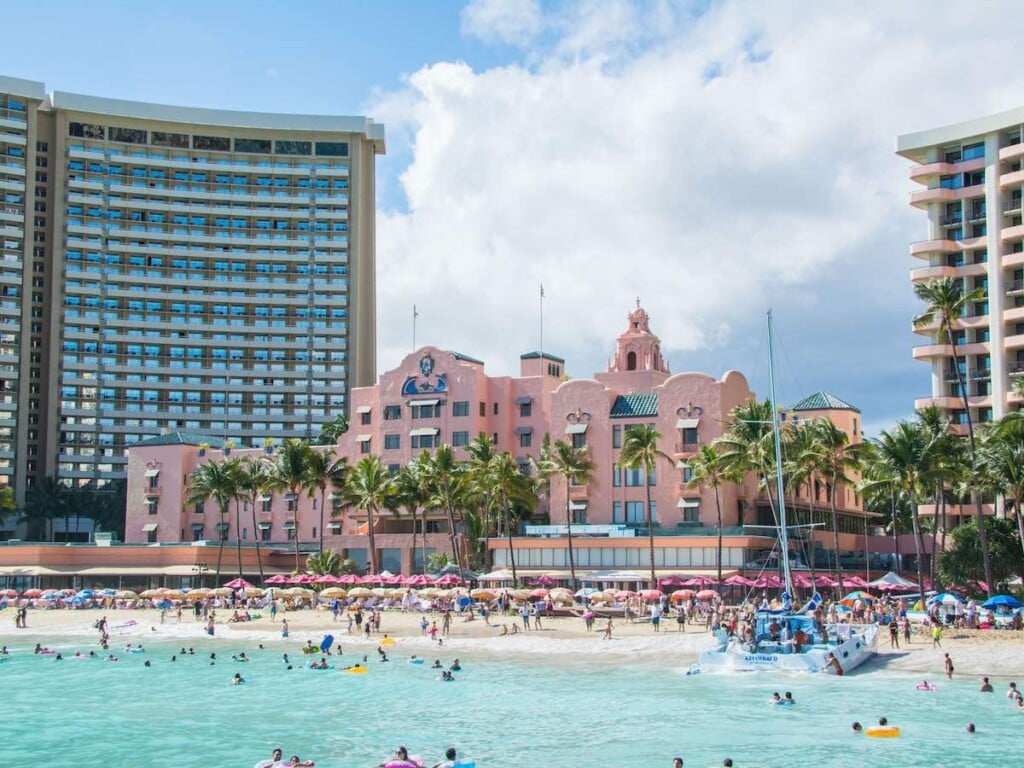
{"points": [[783, 532]]}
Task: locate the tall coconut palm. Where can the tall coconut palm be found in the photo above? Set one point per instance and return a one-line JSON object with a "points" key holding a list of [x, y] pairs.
{"points": [[575, 466], [640, 451], [323, 471], [801, 468], [749, 446], [946, 302], [368, 486], [448, 486], [214, 481], [412, 492], [838, 458], [710, 471], [288, 472], [44, 501], [880, 488], [482, 454], [252, 481], [1002, 455], [512, 489], [907, 449]]}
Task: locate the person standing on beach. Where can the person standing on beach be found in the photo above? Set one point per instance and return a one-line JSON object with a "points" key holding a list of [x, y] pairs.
{"points": [[524, 613], [284, 627], [937, 636], [949, 667], [608, 630], [894, 634], [906, 631], [446, 623]]}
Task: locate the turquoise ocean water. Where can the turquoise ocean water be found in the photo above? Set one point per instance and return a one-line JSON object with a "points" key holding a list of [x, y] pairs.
{"points": [[502, 713]]}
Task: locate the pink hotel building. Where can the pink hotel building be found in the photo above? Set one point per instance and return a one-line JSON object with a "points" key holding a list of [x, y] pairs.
{"points": [[436, 396]]}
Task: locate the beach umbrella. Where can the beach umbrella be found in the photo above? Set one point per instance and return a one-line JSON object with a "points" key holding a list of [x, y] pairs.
{"points": [[51, 595], [68, 591], [624, 594], [162, 604], [737, 581], [651, 594], [380, 592], [945, 598], [543, 581], [279, 578], [683, 594], [675, 580], [238, 584], [448, 580], [602, 597], [125, 594], [150, 593], [419, 580], [107, 592], [854, 581], [32, 593], [1001, 601], [825, 581], [360, 592], [857, 594], [770, 581], [803, 581], [706, 594], [562, 597], [332, 592], [539, 594], [586, 592], [9, 592], [482, 594]]}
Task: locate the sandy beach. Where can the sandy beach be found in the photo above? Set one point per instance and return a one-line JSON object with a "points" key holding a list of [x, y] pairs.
{"points": [[995, 653]]}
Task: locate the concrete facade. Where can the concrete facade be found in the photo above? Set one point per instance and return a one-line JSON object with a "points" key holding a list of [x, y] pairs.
{"points": [[177, 268]]}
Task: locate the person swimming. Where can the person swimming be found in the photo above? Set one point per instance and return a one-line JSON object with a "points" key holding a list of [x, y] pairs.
{"points": [[857, 727], [237, 679], [455, 667], [789, 698], [437, 664], [970, 728]]}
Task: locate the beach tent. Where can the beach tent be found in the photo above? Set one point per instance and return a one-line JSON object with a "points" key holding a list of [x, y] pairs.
{"points": [[893, 582], [238, 584], [945, 598]]}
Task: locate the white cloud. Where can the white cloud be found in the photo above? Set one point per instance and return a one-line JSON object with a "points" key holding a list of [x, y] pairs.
{"points": [[709, 164], [515, 22]]}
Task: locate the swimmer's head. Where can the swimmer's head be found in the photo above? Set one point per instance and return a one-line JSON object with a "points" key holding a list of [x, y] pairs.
{"points": [[449, 754], [858, 727], [277, 754], [883, 721], [727, 762], [970, 727], [677, 762]]}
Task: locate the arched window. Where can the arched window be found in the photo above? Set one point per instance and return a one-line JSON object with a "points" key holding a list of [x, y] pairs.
{"points": [[631, 361]]}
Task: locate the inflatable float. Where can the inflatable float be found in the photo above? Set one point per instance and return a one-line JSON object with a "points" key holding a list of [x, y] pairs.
{"points": [[882, 732]]}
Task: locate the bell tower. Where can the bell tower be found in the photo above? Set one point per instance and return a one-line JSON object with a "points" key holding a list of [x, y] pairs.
{"points": [[638, 349]]}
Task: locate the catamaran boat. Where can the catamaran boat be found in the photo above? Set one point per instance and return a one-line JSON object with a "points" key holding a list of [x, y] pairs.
{"points": [[788, 640]]}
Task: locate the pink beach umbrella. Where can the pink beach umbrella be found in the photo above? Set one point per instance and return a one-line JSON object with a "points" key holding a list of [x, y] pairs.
{"points": [[539, 594], [32, 593], [707, 594], [767, 582], [802, 581], [674, 580], [624, 594], [825, 581], [279, 578], [238, 584], [9, 592], [738, 581], [543, 581], [683, 594], [349, 578], [853, 581], [419, 580], [327, 578], [392, 581], [448, 580], [652, 594]]}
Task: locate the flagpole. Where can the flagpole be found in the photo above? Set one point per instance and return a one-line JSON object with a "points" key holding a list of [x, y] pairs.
{"points": [[415, 314], [542, 329]]}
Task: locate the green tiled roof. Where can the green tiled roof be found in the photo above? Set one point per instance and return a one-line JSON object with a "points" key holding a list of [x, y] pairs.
{"points": [[181, 437], [536, 356], [823, 401], [626, 406], [466, 358]]}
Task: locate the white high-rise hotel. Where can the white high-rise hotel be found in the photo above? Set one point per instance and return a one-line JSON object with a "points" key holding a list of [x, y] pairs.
{"points": [[167, 267], [973, 182]]}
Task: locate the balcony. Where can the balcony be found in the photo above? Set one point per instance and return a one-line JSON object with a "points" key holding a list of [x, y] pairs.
{"points": [[925, 197], [922, 274], [967, 322], [1015, 341], [919, 172], [1013, 315], [1011, 152], [1014, 287], [686, 448], [1016, 368], [953, 403], [1011, 179], [928, 247], [1012, 233], [1013, 205]]}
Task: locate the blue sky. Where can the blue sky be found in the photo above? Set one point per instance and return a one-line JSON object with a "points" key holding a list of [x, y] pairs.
{"points": [[714, 158]]}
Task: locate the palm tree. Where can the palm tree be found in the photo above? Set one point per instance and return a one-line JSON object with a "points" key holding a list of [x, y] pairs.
{"points": [[1002, 455], [447, 481], [837, 459], [709, 471], [252, 482], [946, 302], [326, 562], [43, 502], [640, 451], [413, 492], [576, 467], [369, 486], [288, 472], [323, 471], [880, 488], [749, 446], [907, 451], [214, 480], [800, 467], [512, 489], [948, 462], [481, 455]]}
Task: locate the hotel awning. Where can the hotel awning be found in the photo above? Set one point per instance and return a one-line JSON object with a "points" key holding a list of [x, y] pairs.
{"points": [[688, 503], [363, 409], [265, 526], [363, 438], [289, 526], [149, 527], [524, 430], [152, 473], [577, 505], [681, 465], [424, 432], [265, 497], [525, 400], [687, 423], [415, 403], [576, 429]]}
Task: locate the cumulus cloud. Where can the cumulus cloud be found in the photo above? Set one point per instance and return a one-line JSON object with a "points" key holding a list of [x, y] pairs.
{"points": [[710, 162], [514, 22]]}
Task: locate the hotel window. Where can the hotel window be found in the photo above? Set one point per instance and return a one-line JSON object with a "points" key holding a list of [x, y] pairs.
{"points": [[635, 512], [690, 436], [364, 446], [267, 501], [264, 532], [364, 418], [332, 148], [197, 532], [483, 409], [261, 146], [392, 442], [460, 439], [616, 476], [198, 509], [525, 439], [691, 514], [617, 436], [460, 408], [392, 412], [617, 512], [634, 477], [431, 410], [151, 505], [495, 409], [579, 440], [292, 500], [525, 410]]}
